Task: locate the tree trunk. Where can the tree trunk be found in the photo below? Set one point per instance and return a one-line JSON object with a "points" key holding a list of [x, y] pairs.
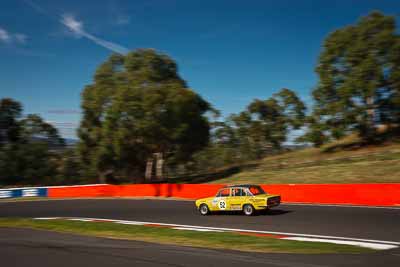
{"points": [[371, 111], [149, 169], [160, 166], [102, 177], [370, 129]]}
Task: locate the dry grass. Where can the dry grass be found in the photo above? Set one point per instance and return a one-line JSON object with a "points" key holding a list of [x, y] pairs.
{"points": [[339, 162]]}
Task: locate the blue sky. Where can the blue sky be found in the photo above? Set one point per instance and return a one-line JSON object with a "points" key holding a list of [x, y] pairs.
{"points": [[229, 51]]}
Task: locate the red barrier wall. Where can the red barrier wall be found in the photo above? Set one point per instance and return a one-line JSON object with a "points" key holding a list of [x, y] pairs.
{"points": [[189, 191], [355, 194]]}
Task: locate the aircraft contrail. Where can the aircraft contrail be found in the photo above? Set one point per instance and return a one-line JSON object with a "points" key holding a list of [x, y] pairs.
{"points": [[77, 28]]}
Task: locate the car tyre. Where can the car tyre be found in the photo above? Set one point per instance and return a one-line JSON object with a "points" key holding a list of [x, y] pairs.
{"points": [[204, 210], [248, 210]]}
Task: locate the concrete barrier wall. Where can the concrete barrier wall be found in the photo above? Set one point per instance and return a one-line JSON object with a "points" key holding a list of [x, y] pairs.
{"points": [[351, 194]]}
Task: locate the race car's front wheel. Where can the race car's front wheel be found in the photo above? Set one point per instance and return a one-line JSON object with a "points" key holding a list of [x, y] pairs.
{"points": [[204, 210], [248, 210]]}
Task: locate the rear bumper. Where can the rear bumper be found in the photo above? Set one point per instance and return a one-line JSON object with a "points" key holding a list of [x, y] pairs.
{"points": [[273, 201], [266, 207]]}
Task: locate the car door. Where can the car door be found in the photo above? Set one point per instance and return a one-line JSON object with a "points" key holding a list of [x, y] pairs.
{"points": [[237, 197], [221, 200]]}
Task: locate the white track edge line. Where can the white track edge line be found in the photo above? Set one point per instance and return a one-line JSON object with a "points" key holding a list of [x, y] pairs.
{"points": [[376, 246], [235, 230]]}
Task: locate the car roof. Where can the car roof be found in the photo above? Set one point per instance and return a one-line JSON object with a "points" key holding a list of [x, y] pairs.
{"points": [[241, 185]]}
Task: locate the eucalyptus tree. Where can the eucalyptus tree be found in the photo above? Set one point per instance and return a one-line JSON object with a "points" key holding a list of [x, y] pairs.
{"points": [[359, 79], [138, 106], [26, 145], [272, 119]]}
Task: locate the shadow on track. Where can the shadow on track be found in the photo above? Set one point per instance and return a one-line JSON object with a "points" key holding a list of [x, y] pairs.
{"points": [[273, 212]]}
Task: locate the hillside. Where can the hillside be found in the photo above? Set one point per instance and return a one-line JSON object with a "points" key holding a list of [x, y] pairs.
{"points": [[340, 162]]}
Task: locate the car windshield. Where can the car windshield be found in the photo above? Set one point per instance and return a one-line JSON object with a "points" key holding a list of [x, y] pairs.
{"points": [[256, 190]]}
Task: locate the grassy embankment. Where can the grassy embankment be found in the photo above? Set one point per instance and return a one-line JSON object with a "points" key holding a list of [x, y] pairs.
{"points": [[345, 161], [217, 240]]}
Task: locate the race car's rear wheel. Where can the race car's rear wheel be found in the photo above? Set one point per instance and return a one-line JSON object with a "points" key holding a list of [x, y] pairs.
{"points": [[204, 210], [248, 209]]}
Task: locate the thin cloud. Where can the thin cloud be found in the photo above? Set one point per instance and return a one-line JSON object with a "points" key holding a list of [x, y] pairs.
{"points": [[118, 15], [66, 129], [122, 20], [35, 6], [71, 23], [64, 111], [20, 38], [77, 28], [9, 38], [64, 125], [4, 36]]}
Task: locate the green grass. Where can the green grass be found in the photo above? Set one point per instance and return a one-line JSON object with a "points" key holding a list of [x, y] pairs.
{"points": [[340, 162], [216, 240], [23, 199]]}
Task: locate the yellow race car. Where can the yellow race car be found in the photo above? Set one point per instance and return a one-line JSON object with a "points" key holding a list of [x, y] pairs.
{"points": [[246, 198]]}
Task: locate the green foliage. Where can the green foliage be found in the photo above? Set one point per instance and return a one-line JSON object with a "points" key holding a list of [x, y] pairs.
{"points": [[359, 80], [10, 112], [274, 117], [254, 133], [138, 105], [69, 169], [25, 147], [27, 164], [316, 132], [265, 124], [33, 128]]}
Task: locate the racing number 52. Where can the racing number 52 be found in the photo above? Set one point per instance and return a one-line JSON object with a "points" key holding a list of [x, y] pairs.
{"points": [[222, 205]]}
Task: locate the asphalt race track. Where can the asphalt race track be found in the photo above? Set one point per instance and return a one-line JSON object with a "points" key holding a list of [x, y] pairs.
{"points": [[39, 248], [369, 223]]}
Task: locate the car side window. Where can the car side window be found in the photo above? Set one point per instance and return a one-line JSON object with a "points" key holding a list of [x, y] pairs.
{"points": [[238, 192], [256, 190], [248, 193], [223, 193]]}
